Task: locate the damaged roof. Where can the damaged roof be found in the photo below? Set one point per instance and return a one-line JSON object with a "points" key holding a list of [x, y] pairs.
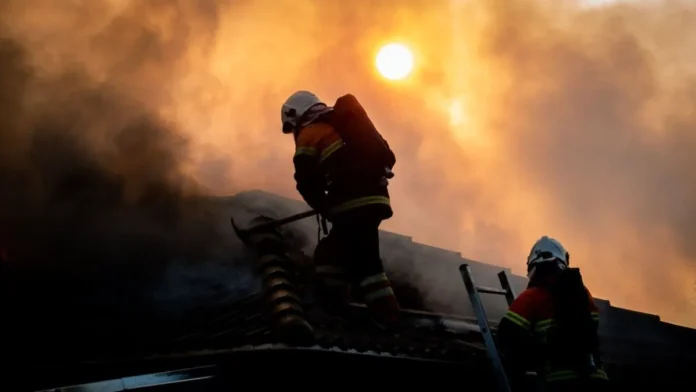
{"points": [[226, 324], [232, 330], [221, 314]]}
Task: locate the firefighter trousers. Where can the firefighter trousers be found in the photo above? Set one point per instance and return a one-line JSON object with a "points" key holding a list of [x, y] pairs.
{"points": [[350, 253]]}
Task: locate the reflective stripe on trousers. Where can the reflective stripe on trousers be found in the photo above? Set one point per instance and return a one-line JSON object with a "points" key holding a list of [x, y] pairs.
{"points": [[375, 287], [331, 275], [564, 375]]}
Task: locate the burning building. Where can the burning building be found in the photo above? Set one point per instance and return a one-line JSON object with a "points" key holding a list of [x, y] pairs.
{"points": [[237, 333]]}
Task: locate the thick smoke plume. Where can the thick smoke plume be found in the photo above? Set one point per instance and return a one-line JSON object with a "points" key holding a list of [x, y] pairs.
{"points": [[100, 219], [522, 118]]}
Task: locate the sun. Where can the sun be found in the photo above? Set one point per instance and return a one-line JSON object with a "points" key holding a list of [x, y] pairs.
{"points": [[394, 61]]}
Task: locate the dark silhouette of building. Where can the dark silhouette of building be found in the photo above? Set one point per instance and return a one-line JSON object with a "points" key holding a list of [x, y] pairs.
{"points": [[230, 340]]}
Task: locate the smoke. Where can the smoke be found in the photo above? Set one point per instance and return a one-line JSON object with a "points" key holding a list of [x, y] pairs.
{"points": [[522, 118], [598, 117], [101, 219]]}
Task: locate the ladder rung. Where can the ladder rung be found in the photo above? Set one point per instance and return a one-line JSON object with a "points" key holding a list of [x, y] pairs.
{"points": [[490, 290]]}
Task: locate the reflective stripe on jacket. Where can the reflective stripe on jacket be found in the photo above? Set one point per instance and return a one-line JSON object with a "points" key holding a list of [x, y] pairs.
{"points": [[320, 167], [525, 329]]}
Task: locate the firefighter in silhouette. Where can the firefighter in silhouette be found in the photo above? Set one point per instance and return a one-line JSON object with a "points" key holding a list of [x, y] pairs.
{"points": [[342, 167], [551, 328]]}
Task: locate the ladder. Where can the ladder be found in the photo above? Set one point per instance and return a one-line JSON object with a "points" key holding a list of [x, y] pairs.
{"points": [[474, 292]]}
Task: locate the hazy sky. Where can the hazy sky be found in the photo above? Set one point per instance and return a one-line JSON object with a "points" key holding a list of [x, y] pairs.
{"points": [[522, 117], [592, 3]]}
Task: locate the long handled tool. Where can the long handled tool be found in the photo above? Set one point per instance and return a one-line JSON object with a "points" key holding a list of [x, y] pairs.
{"points": [[243, 233]]}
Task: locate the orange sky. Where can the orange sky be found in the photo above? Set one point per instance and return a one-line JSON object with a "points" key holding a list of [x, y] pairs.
{"points": [[521, 119]]}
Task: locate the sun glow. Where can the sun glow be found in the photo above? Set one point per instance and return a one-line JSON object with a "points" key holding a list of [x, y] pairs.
{"points": [[394, 61]]}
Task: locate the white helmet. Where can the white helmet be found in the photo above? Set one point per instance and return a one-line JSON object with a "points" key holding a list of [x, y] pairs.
{"points": [[547, 250], [295, 109]]}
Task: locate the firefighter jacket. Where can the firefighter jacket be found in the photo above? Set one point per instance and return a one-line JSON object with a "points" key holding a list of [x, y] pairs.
{"points": [[530, 334], [331, 180]]}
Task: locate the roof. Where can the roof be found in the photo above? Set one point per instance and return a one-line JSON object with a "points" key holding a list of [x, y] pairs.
{"points": [[229, 325], [628, 337], [228, 329], [211, 312]]}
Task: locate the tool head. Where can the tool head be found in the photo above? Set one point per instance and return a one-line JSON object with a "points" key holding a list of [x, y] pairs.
{"points": [[259, 225], [255, 225]]}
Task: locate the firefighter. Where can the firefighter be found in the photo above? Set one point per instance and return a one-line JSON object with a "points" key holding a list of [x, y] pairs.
{"points": [[337, 179], [552, 326]]}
